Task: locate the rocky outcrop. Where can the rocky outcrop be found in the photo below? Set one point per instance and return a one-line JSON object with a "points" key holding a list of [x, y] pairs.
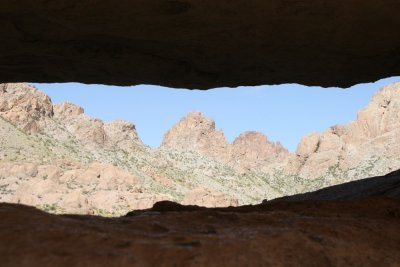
{"points": [[200, 44], [375, 133], [70, 187], [92, 131], [196, 132], [250, 149], [67, 110], [122, 134], [24, 106], [86, 129], [208, 198]]}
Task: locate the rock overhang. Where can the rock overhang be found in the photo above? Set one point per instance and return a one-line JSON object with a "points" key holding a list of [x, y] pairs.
{"points": [[200, 44]]}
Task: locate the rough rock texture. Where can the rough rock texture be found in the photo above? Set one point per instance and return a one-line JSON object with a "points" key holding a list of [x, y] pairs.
{"points": [[68, 187], [200, 44], [87, 129], [122, 134], [207, 198], [26, 108], [252, 148], [373, 136], [197, 133], [342, 233], [67, 110]]}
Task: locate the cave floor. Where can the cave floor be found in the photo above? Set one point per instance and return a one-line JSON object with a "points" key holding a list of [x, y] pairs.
{"points": [[338, 233]]}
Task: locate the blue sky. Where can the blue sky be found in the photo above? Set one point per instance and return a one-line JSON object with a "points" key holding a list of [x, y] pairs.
{"points": [[284, 113]]}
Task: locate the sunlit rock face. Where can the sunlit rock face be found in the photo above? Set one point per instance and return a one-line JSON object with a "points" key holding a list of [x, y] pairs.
{"points": [[365, 147], [247, 162], [197, 133], [26, 109], [200, 44], [250, 149], [374, 136]]}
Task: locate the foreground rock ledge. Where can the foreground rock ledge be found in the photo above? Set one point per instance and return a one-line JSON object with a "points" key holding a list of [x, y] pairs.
{"points": [[200, 44], [339, 233]]}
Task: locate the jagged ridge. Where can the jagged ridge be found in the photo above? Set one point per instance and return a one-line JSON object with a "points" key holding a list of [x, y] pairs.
{"points": [[59, 159]]}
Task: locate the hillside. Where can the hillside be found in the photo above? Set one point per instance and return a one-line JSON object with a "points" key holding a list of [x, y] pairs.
{"points": [[57, 158]]}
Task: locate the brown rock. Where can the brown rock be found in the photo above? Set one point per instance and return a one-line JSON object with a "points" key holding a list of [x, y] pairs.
{"points": [[67, 110], [197, 133], [252, 148], [207, 198], [84, 128], [122, 134], [24, 106], [374, 133]]}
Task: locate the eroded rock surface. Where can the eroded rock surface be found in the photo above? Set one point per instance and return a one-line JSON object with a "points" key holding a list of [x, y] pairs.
{"points": [[197, 133], [27, 108], [374, 136], [250, 149], [365, 147]]}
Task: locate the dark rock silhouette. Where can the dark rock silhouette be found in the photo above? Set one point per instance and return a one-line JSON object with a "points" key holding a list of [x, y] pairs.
{"points": [[200, 44], [382, 186]]}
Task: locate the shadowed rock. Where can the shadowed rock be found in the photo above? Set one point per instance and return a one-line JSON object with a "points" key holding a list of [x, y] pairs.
{"points": [[337, 233], [383, 186], [200, 44]]}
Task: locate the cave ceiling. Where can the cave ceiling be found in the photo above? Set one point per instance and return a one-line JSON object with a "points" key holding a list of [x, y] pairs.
{"points": [[200, 44]]}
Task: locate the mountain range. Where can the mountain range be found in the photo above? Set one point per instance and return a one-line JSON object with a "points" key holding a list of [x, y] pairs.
{"points": [[57, 158]]}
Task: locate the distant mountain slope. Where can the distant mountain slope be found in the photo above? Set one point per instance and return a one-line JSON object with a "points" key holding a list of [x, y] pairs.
{"points": [[59, 159], [368, 146], [381, 186]]}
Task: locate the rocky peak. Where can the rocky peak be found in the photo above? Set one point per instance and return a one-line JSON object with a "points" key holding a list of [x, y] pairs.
{"points": [[195, 122], [251, 148], [122, 134], [94, 131], [195, 132], [382, 114], [67, 110], [308, 145], [24, 106], [375, 132], [88, 130], [32, 111]]}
